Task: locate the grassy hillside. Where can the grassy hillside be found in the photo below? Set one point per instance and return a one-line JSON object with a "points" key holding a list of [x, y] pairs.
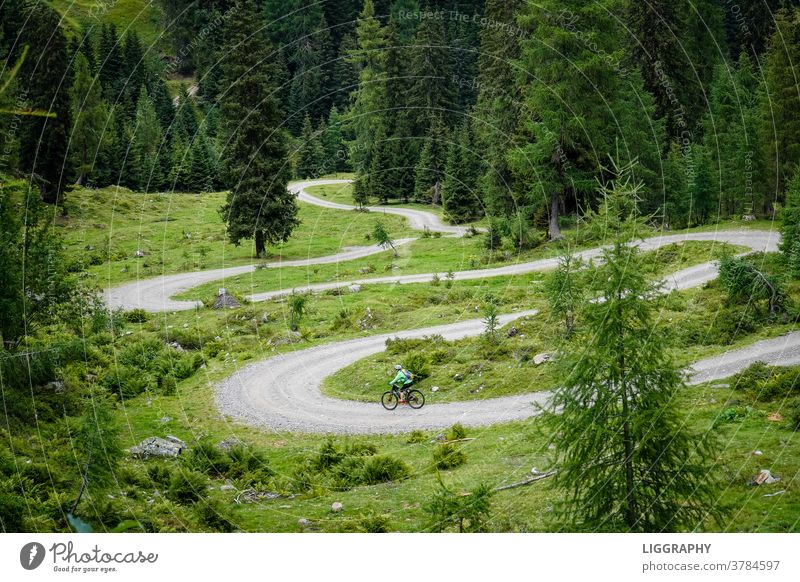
{"points": [[182, 232], [144, 16]]}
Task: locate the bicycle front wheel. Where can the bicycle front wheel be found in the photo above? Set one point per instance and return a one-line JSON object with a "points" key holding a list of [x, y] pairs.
{"points": [[389, 400], [416, 399]]}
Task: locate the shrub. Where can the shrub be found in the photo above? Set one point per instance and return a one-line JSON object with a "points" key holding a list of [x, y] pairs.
{"points": [[328, 456], [466, 513], [244, 459], [160, 475], [136, 316], [127, 381], [448, 456], [382, 469], [456, 432], [187, 487], [214, 515], [344, 319], [417, 364], [793, 414], [372, 522], [204, 457], [417, 436]]}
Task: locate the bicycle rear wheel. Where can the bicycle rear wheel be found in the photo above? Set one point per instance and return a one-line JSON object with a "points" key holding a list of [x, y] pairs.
{"points": [[389, 400], [416, 399]]}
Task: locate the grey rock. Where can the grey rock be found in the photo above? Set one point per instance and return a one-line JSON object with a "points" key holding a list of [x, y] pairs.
{"points": [[336, 507], [228, 444], [542, 358], [434, 388], [354, 288], [58, 387], [512, 332], [226, 301], [156, 447], [227, 487], [458, 377]]}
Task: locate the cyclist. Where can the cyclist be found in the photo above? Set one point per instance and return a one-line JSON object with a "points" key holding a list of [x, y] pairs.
{"points": [[402, 381]]}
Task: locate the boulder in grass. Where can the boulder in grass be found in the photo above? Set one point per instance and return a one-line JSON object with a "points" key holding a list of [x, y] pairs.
{"points": [[226, 301], [156, 447], [542, 358]]}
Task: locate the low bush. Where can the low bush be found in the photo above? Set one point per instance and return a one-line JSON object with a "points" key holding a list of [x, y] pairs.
{"points": [[206, 458], [383, 469], [214, 515], [448, 456], [187, 487], [417, 436], [456, 432]]}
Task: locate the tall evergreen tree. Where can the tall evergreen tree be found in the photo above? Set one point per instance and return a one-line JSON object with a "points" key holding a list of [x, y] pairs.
{"points": [[790, 227], [497, 109], [429, 173], [657, 48], [89, 114], [626, 458], [110, 62], [782, 114], [459, 196], [186, 115], [365, 115], [259, 205], [44, 140], [333, 142], [202, 165], [133, 72], [431, 92], [147, 137], [310, 156]]}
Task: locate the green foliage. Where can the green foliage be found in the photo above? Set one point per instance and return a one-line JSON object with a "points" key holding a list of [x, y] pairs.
{"points": [[468, 513], [214, 515], [765, 384], [456, 432], [298, 306], [418, 364], [448, 456], [355, 464], [565, 290], [790, 227], [491, 320], [259, 205], [187, 487], [382, 237], [416, 437], [618, 404], [743, 282], [384, 469]]}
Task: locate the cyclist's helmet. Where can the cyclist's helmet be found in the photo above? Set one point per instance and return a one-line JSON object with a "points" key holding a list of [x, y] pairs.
{"points": [[398, 367]]}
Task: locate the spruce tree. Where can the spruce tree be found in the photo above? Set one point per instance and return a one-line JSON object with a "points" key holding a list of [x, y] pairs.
{"points": [[626, 459], [497, 109], [147, 143], [201, 165], [186, 116], [333, 142], [790, 227], [379, 184], [133, 71], [365, 115], [431, 91], [44, 140], [429, 173], [89, 114], [310, 153], [109, 62], [782, 114], [459, 194], [677, 207], [259, 205]]}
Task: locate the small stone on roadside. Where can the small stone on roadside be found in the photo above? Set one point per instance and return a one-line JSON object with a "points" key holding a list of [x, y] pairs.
{"points": [[336, 507], [434, 388]]}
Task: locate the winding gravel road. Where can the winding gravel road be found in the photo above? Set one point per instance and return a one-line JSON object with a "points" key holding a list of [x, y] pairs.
{"points": [[283, 393]]}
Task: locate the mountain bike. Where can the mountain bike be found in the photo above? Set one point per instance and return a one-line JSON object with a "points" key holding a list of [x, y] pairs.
{"points": [[391, 398]]}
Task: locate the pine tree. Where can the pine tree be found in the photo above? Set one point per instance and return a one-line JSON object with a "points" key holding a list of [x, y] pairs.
{"points": [[157, 89], [201, 167], [333, 142], [89, 114], [656, 48], [626, 460], [132, 73], [365, 115], [309, 66], [459, 196], [782, 116], [497, 109], [429, 173], [702, 194], [790, 227], [431, 92], [379, 185], [110, 63], [180, 165], [344, 73], [310, 152], [147, 138], [186, 116], [677, 207], [44, 141], [259, 205]]}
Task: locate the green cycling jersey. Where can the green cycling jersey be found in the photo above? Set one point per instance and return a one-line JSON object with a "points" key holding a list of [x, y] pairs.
{"points": [[400, 379]]}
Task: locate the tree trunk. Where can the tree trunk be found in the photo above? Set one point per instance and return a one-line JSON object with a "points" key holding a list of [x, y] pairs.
{"points": [[437, 192], [627, 440], [260, 248], [555, 231]]}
